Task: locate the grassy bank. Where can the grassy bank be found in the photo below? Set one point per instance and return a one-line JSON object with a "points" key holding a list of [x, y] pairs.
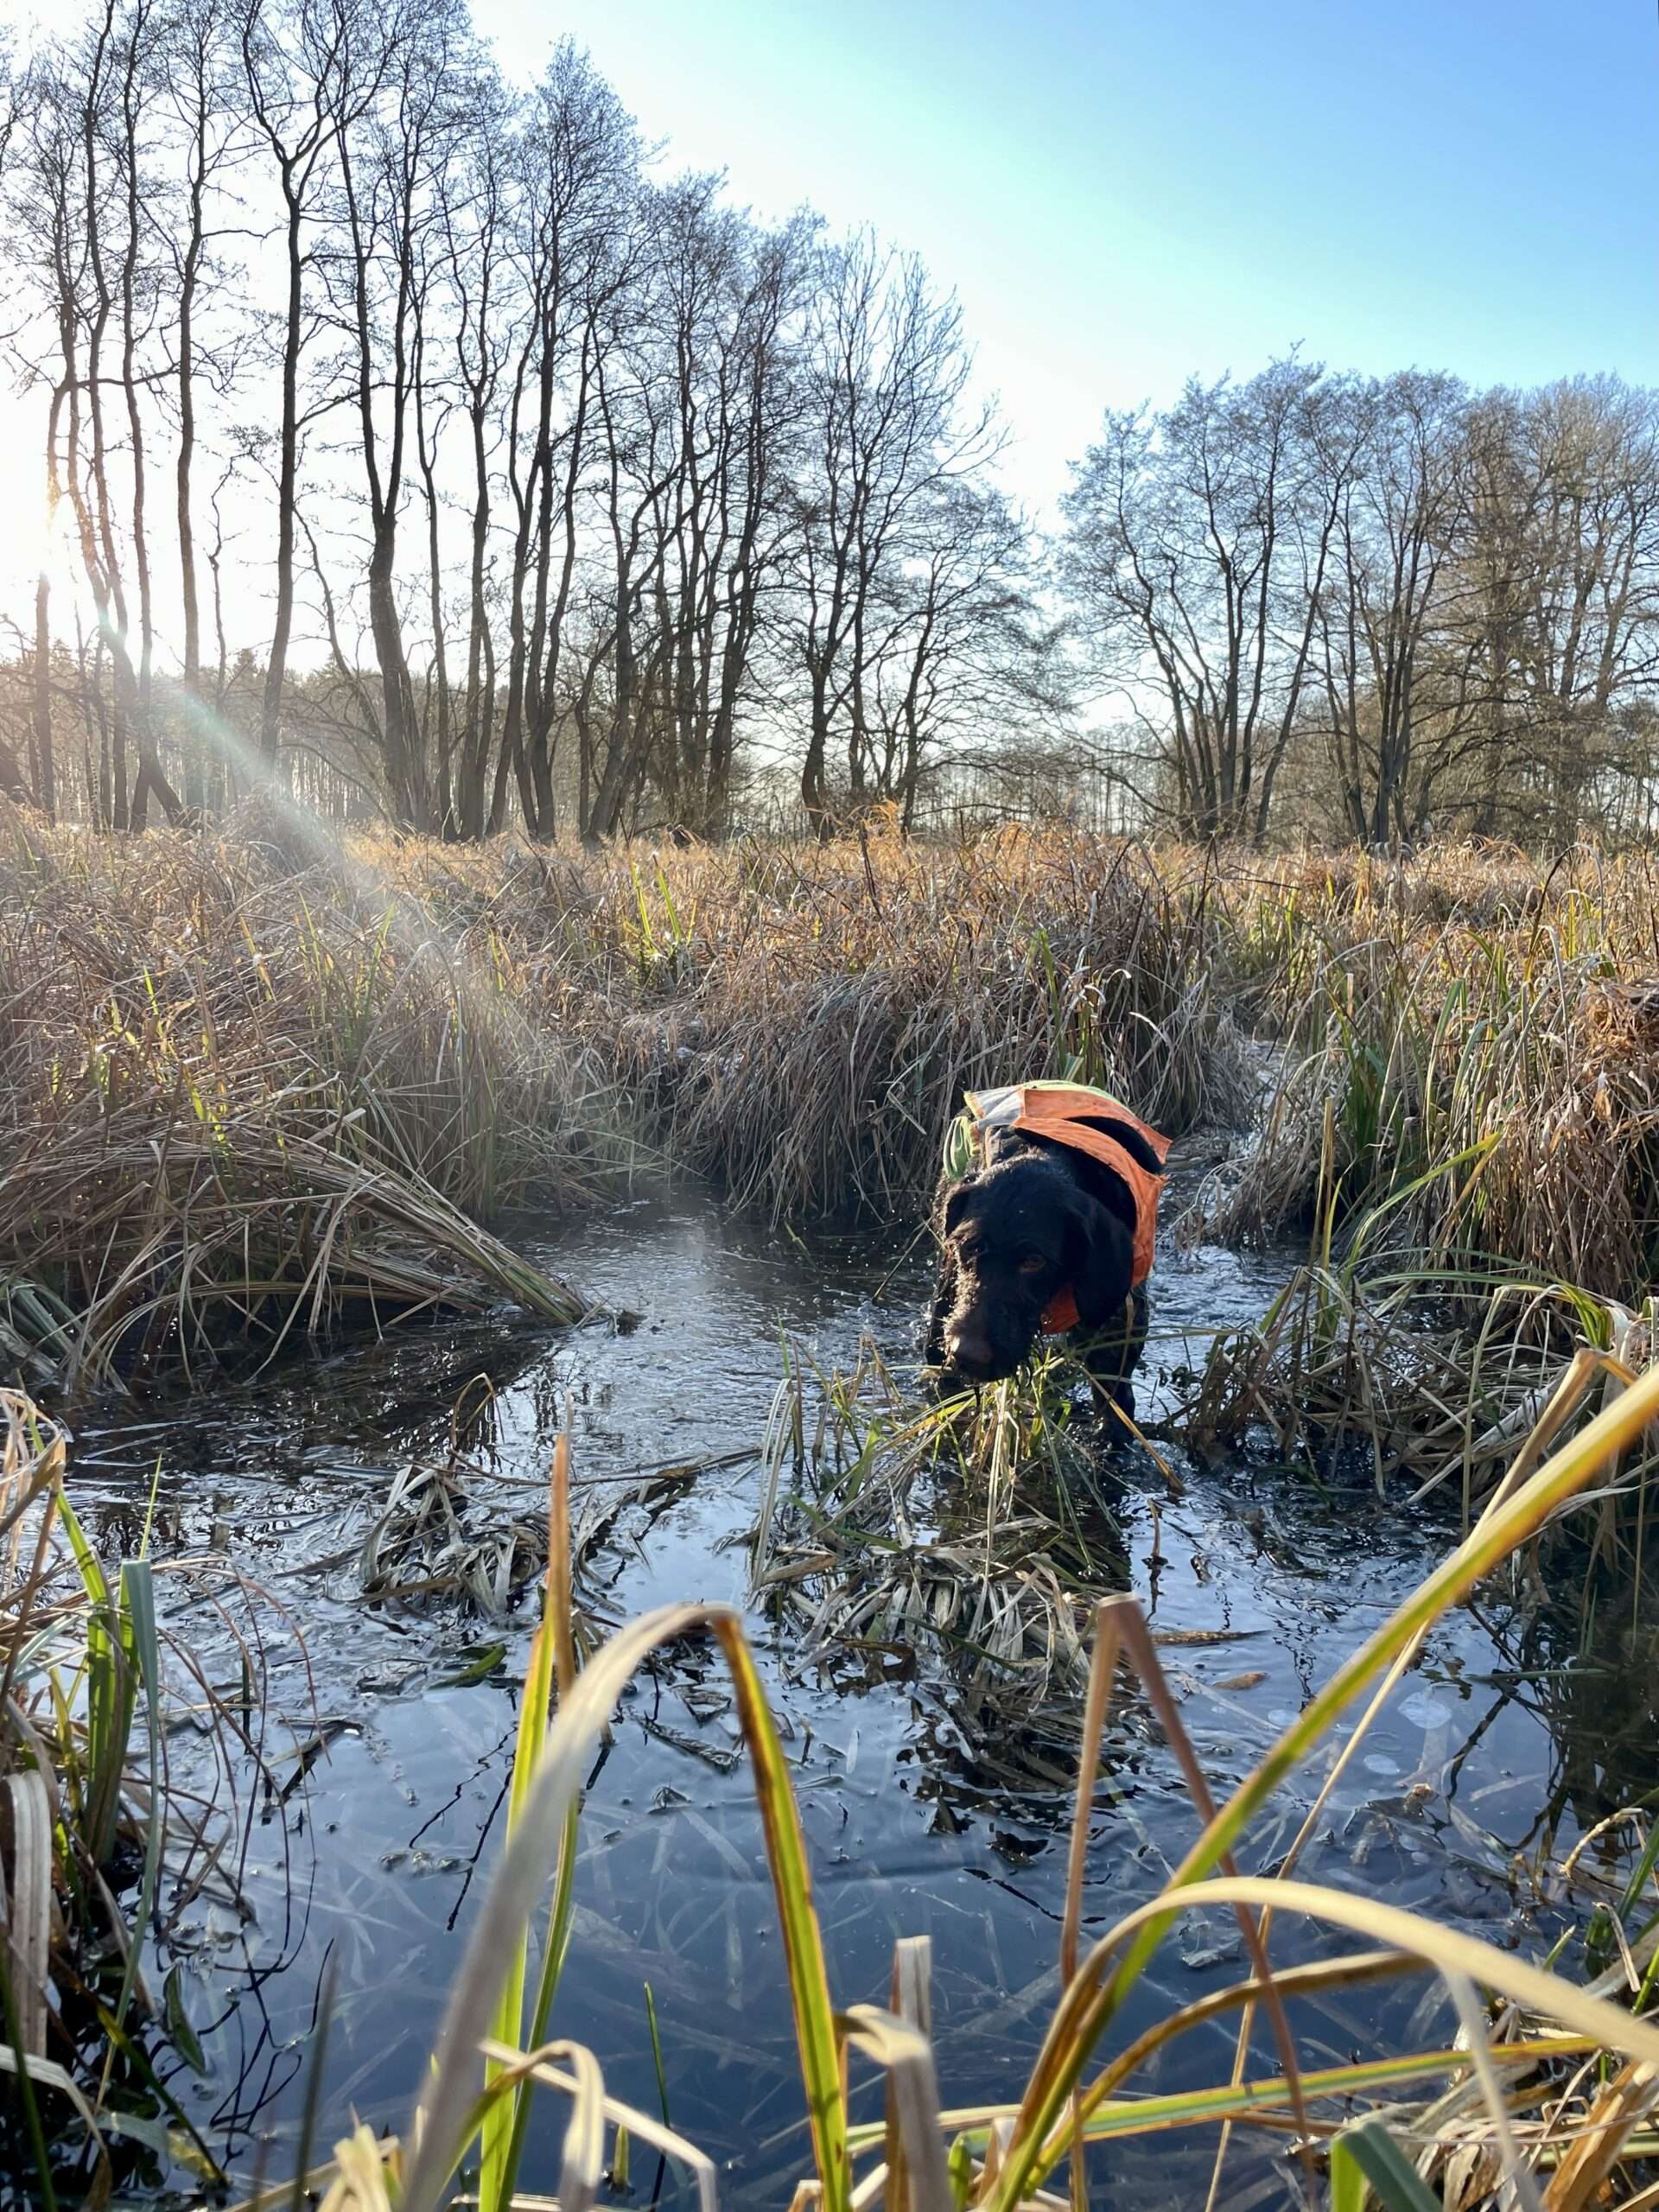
{"points": [[245, 1091], [1475, 1029]]}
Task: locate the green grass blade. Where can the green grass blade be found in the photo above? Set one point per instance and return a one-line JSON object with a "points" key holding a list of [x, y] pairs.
{"points": [[1086, 2012], [1198, 2107], [111, 1695], [809, 1982], [441, 2128], [1367, 2153], [142, 1653], [33, 2126], [496, 2177], [657, 2057], [561, 1912]]}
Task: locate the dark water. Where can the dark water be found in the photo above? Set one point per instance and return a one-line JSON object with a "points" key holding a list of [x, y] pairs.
{"points": [[364, 1862]]}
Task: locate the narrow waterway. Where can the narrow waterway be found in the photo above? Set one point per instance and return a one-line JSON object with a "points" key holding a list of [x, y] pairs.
{"points": [[923, 1815]]}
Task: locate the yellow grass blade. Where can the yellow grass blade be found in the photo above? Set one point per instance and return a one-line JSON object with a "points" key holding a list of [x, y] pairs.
{"points": [[443, 2123], [1086, 2009]]}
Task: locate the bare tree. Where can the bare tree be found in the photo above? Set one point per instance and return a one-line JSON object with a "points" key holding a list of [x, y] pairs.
{"points": [[724, 344], [390, 148], [1398, 684], [1196, 547], [1591, 638], [310, 68], [577, 245], [198, 63], [889, 426]]}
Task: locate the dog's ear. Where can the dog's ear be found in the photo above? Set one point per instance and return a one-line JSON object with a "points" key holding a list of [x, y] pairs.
{"points": [[1100, 1252], [955, 1204]]}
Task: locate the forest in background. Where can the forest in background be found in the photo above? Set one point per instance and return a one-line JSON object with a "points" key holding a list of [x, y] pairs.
{"points": [[426, 445]]}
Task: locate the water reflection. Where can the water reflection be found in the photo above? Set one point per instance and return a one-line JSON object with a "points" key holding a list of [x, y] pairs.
{"points": [[928, 1809]]}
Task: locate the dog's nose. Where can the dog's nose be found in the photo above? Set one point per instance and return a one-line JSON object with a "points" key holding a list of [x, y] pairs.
{"points": [[967, 1354]]}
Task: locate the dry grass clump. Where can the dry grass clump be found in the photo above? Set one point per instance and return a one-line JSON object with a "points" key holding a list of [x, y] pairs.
{"points": [[452, 1531], [975, 1526], [1435, 1386], [1336, 1364], [799, 1021], [835, 1002], [240, 1097], [1488, 1044]]}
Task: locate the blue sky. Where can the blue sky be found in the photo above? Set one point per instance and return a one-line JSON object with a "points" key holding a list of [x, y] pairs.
{"points": [[1122, 194]]}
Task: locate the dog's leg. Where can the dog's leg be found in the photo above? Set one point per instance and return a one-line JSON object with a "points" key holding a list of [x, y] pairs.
{"points": [[1116, 1353]]}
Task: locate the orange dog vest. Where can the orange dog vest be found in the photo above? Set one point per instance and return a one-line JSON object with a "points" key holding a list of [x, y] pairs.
{"points": [[1064, 1113]]}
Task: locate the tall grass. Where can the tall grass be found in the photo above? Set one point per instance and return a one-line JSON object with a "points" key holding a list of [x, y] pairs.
{"points": [[252, 1084], [798, 1021], [833, 1003], [239, 1100], [1469, 1009]]}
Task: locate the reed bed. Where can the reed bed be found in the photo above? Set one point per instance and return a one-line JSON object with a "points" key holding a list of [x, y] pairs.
{"points": [[799, 1022], [102, 1841], [1469, 1030], [258, 1084], [242, 1098], [1546, 2097], [840, 1000]]}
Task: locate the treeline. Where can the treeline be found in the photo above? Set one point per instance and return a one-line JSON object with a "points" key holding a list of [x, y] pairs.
{"points": [[552, 481], [1376, 608], [412, 440]]}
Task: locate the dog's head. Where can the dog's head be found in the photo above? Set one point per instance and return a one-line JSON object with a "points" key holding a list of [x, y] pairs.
{"points": [[1016, 1235]]}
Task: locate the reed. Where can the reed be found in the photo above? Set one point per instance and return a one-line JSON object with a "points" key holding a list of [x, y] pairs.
{"points": [[1461, 1009], [239, 1100], [976, 1525]]}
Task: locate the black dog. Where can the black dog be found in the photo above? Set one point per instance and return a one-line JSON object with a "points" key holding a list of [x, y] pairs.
{"points": [[1038, 1219]]}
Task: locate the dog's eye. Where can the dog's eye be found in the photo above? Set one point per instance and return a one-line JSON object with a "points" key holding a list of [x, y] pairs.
{"points": [[1032, 1263]]}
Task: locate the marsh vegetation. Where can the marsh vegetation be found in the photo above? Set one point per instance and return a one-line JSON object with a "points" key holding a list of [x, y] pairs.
{"points": [[429, 1088]]}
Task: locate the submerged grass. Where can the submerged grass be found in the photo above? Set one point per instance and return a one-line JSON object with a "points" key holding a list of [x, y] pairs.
{"points": [[975, 1525], [1547, 2099]]}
